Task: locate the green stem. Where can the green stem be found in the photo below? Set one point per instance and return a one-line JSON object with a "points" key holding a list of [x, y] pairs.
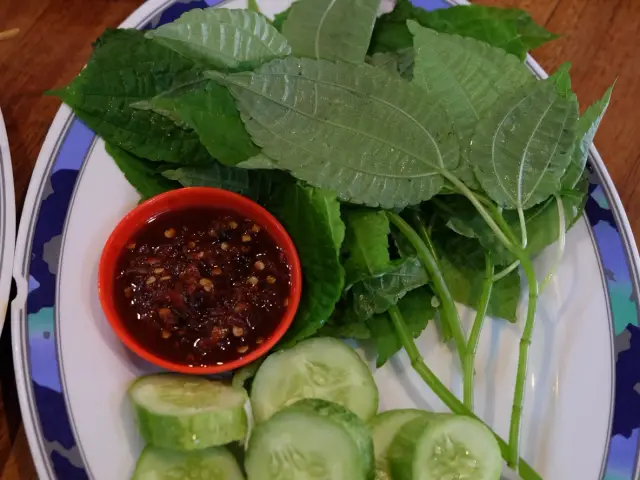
{"points": [[523, 228], [448, 306], [506, 271], [525, 471], [523, 356], [474, 336]]}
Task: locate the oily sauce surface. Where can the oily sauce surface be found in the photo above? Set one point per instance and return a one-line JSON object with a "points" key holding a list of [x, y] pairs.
{"points": [[202, 286]]}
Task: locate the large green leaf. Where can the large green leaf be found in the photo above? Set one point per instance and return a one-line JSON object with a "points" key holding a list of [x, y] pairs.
{"points": [[125, 68], [462, 263], [400, 62], [376, 294], [510, 29], [416, 308], [208, 108], [223, 38], [140, 173], [312, 218], [255, 184], [466, 76], [331, 29], [586, 129], [365, 251], [522, 148], [360, 131]]}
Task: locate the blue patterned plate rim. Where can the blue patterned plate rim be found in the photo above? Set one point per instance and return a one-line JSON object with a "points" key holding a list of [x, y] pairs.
{"points": [[48, 425]]}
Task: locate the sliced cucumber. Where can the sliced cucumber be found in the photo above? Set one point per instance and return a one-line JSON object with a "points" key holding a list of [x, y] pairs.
{"points": [[215, 463], [243, 377], [384, 428], [183, 412], [324, 368], [451, 446], [311, 440]]}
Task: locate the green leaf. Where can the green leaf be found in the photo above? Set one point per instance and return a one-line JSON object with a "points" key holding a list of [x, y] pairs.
{"points": [[364, 133], [365, 251], [400, 62], [255, 184], [562, 80], [510, 29], [376, 294], [140, 173], [312, 218], [416, 309], [253, 6], [541, 222], [331, 29], [223, 38], [125, 68], [586, 129], [461, 261], [208, 108], [522, 148], [280, 18], [343, 323], [467, 77]]}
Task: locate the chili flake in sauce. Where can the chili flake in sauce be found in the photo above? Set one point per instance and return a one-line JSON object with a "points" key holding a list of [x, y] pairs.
{"points": [[202, 286]]}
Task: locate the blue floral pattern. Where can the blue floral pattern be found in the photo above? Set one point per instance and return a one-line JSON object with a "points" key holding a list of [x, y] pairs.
{"points": [[46, 393]]}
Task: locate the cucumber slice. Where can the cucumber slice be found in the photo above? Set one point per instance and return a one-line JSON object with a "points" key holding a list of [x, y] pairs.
{"points": [[384, 427], [215, 463], [311, 440], [322, 367], [451, 446], [183, 412]]}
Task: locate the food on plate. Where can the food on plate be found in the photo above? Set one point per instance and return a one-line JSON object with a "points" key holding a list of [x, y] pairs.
{"points": [[323, 368], [187, 412], [413, 158], [215, 463], [202, 286], [384, 428]]}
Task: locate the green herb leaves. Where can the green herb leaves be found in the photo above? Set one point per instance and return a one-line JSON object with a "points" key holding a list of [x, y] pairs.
{"points": [[330, 29], [223, 38], [358, 130], [520, 151]]}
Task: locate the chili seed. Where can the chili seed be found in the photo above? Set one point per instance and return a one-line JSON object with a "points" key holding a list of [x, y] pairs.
{"points": [[224, 246], [255, 228], [165, 278], [259, 340], [166, 315], [244, 249], [150, 280], [153, 261], [286, 302], [242, 349], [131, 246], [259, 265], [191, 244], [170, 232], [158, 270], [237, 331], [246, 238], [216, 271], [206, 284], [252, 280], [241, 307], [271, 279], [128, 292], [233, 224], [166, 334], [213, 233]]}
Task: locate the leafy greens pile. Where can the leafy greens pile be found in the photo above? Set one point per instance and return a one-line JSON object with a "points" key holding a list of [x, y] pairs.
{"points": [[413, 158]]}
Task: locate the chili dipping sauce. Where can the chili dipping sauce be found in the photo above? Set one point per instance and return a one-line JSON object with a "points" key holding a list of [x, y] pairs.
{"points": [[201, 286]]}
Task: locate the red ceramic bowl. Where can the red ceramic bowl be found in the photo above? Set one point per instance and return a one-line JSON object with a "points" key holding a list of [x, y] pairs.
{"points": [[186, 198]]}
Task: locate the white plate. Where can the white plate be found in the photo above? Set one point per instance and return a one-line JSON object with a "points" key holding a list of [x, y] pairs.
{"points": [[7, 221], [72, 371]]}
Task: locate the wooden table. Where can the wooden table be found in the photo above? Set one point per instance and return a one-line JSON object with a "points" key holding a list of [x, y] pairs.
{"points": [[600, 37]]}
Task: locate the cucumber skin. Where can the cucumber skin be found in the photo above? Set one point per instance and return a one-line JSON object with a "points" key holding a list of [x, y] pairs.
{"points": [[349, 421], [403, 448], [386, 421], [346, 420], [145, 471], [191, 432]]}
